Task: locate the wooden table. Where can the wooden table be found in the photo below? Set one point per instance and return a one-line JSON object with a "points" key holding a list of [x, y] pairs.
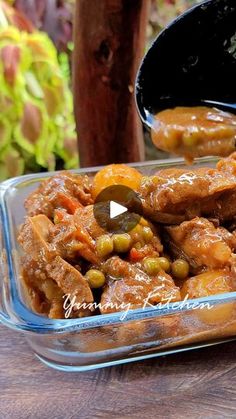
{"points": [[195, 384]]}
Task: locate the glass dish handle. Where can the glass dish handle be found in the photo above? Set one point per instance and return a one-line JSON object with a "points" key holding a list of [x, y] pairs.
{"points": [[3, 271]]}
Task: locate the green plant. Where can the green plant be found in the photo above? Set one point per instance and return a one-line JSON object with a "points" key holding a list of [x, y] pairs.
{"points": [[37, 127]]}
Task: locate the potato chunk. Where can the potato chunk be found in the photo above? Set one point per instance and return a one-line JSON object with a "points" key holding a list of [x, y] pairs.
{"points": [[116, 174], [208, 284]]}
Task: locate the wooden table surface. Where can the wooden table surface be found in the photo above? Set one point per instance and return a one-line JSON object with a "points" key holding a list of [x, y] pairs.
{"points": [[195, 384]]}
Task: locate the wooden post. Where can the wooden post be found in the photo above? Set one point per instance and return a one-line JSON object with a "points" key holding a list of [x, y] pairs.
{"points": [[109, 40]]}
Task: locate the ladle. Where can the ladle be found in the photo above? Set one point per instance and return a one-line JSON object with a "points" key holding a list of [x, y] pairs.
{"points": [[192, 62]]}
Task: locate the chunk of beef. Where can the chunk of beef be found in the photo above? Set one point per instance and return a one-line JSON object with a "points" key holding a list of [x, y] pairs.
{"points": [[175, 195], [34, 237], [129, 286], [43, 293], [84, 217], [225, 208], [71, 237], [39, 236], [64, 190], [70, 280], [172, 193]]}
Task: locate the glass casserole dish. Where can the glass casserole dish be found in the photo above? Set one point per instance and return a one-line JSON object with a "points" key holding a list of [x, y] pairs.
{"points": [[108, 339]]}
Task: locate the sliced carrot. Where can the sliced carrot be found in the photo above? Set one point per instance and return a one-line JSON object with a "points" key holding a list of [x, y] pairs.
{"points": [[59, 216], [68, 202], [135, 255]]}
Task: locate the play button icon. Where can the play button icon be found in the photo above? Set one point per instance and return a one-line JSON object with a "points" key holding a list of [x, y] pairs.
{"points": [[117, 209]]}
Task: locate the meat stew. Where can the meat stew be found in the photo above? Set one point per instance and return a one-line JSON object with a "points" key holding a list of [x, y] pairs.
{"points": [[195, 132], [184, 245]]}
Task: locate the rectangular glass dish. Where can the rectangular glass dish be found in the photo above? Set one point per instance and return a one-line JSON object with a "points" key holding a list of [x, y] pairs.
{"points": [[103, 340]]}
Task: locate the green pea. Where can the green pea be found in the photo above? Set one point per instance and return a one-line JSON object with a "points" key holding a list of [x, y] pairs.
{"points": [[151, 265], [104, 245], [137, 233], [121, 242], [180, 268], [147, 234], [95, 278], [164, 264]]}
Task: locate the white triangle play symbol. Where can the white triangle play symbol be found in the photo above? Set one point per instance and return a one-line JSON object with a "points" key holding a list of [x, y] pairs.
{"points": [[116, 209]]}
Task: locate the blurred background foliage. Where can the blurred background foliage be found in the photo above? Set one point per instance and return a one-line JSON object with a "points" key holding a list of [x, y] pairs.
{"points": [[36, 121], [37, 126], [163, 12]]}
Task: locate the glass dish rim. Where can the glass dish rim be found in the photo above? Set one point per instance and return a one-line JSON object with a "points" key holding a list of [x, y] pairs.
{"points": [[35, 323]]}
